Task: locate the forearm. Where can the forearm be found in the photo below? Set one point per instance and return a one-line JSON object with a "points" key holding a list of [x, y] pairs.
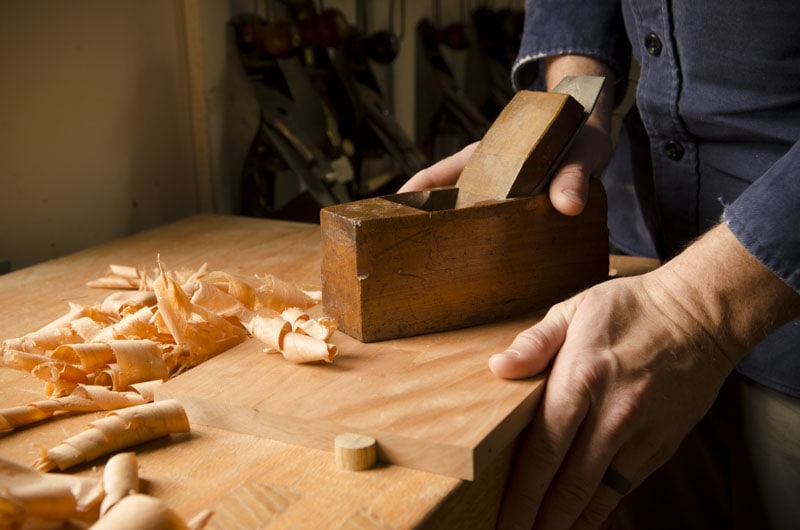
{"points": [[734, 299]]}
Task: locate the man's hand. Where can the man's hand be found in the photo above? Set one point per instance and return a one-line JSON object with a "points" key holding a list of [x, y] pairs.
{"points": [[591, 151], [587, 157], [635, 363]]}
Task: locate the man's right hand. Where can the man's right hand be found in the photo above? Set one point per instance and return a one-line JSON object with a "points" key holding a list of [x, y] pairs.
{"points": [[587, 157], [569, 187]]}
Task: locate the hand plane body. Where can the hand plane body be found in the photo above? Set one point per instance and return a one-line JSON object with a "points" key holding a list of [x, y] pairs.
{"points": [[489, 248]]}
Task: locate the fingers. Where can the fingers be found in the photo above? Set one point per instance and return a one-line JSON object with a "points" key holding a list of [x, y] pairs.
{"points": [[557, 420], [543, 448], [634, 461], [608, 451], [584, 483], [443, 173], [580, 495], [582, 453], [571, 471], [599, 509]]}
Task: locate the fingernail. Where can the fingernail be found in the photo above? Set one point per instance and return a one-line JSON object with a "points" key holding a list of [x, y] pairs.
{"points": [[508, 354]]}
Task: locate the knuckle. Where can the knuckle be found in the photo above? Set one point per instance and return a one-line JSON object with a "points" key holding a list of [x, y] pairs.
{"points": [[534, 338], [626, 407], [542, 453], [593, 376], [570, 497]]}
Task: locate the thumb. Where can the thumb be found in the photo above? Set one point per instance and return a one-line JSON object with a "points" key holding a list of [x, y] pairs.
{"points": [[589, 155], [533, 349], [569, 189]]}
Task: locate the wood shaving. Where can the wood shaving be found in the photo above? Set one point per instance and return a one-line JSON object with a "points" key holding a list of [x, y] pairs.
{"points": [[31, 498], [118, 430], [164, 324], [140, 511], [111, 357], [123, 506], [85, 398], [120, 479], [294, 334]]}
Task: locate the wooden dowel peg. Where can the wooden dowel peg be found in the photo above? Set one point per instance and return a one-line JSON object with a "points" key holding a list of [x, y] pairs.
{"points": [[355, 452]]}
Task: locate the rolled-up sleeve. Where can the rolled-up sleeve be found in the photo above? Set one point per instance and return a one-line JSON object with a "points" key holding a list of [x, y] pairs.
{"points": [[766, 218], [593, 28]]}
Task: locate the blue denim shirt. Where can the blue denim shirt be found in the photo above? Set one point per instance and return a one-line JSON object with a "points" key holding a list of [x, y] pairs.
{"points": [[719, 100]]}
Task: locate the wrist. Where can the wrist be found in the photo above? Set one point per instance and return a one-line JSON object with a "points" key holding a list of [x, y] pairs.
{"points": [[726, 296]]}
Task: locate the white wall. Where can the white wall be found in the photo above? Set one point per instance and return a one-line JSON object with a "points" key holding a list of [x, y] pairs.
{"points": [[95, 130]]}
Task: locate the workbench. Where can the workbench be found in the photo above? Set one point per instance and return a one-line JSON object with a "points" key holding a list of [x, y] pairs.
{"points": [[248, 481]]}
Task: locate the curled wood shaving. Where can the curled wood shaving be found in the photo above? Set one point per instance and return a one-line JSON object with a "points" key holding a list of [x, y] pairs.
{"points": [[168, 322], [118, 430], [140, 511], [294, 334], [124, 507], [30, 499], [110, 357], [33, 499], [123, 503], [120, 479], [85, 398]]}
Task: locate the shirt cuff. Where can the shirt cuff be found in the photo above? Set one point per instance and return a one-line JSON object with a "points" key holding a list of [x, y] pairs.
{"points": [[594, 28], [766, 218]]}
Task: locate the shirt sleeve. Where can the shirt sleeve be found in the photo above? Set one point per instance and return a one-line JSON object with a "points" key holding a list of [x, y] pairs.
{"points": [[594, 28], [766, 218]]}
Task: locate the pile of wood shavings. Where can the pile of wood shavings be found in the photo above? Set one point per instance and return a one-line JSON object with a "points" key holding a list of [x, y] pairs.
{"points": [[166, 323], [29, 499]]}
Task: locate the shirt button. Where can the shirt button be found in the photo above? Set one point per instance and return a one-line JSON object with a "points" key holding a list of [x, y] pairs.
{"points": [[673, 150], [653, 44]]}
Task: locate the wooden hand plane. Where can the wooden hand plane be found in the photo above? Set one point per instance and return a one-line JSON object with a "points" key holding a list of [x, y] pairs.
{"points": [[489, 248]]}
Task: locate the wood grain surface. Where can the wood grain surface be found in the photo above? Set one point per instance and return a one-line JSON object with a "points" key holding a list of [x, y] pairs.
{"points": [[252, 482], [430, 402], [248, 481]]}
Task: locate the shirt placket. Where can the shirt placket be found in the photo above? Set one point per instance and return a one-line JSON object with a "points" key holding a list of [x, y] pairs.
{"points": [[672, 150]]}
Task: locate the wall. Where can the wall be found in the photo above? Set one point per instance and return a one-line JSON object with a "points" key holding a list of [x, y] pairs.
{"points": [[95, 129], [398, 79], [112, 114]]}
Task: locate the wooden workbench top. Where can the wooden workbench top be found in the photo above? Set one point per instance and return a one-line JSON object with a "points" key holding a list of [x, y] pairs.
{"points": [[248, 481]]}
